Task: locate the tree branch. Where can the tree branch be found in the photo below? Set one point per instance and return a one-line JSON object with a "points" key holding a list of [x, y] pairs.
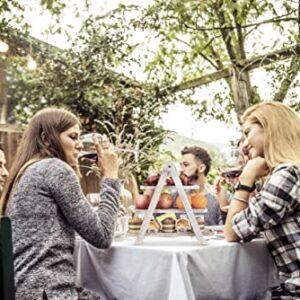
{"points": [[239, 35], [273, 20], [209, 60], [215, 54], [200, 53], [291, 73], [299, 19], [246, 65], [226, 33]]}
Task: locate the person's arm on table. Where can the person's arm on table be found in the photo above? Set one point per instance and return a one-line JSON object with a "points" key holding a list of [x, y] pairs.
{"points": [[276, 201]]}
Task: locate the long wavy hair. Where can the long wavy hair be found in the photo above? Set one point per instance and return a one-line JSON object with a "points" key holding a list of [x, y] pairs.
{"points": [[281, 127], [41, 139]]}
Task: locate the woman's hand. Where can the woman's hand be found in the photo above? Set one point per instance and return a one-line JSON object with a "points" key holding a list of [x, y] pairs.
{"points": [[254, 169], [221, 193], [107, 160], [220, 184]]}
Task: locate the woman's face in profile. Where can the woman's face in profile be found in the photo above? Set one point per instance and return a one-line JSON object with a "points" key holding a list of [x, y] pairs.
{"points": [[71, 144], [254, 140]]}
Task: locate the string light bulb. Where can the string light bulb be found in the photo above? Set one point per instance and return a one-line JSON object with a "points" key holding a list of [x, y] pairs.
{"points": [[31, 63], [3, 47]]}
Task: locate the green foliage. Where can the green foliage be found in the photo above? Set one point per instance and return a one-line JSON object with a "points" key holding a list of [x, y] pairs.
{"points": [[82, 80], [185, 40], [197, 38]]}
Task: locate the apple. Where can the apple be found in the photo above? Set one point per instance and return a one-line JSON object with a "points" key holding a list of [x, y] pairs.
{"points": [[170, 181], [165, 201], [184, 179], [142, 201], [152, 179], [179, 201]]}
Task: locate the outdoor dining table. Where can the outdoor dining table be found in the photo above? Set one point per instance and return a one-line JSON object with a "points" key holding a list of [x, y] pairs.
{"points": [[176, 268]]}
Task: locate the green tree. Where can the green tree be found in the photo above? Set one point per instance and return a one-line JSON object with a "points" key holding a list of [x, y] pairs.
{"points": [[190, 44], [204, 41], [81, 78]]}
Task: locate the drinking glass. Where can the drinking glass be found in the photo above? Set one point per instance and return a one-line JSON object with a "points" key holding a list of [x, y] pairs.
{"points": [[234, 161], [121, 227]]}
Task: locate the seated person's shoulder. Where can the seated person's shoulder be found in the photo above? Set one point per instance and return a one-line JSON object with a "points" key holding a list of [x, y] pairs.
{"points": [[285, 173], [49, 166], [287, 168], [211, 197]]}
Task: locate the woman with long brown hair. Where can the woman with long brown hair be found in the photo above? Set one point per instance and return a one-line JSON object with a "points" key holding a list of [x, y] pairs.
{"points": [[272, 142], [46, 205]]}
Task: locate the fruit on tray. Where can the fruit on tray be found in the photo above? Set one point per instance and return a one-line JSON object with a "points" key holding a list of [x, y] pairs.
{"points": [[152, 179], [184, 179], [170, 181], [199, 201], [143, 201], [179, 201], [165, 201]]}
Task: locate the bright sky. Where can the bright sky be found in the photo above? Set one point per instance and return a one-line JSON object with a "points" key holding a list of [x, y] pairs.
{"points": [[179, 117]]}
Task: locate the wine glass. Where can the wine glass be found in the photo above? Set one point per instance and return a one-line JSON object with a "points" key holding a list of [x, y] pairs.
{"points": [[233, 163]]}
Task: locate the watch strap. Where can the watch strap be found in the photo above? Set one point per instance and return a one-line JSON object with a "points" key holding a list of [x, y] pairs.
{"points": [[246, 188]]}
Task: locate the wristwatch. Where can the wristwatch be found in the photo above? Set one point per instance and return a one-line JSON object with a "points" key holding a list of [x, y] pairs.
{"points": [[245, 188]]}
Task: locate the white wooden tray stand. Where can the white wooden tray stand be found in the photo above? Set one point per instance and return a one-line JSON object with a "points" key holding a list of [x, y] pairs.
{"points": [[169, 170]]}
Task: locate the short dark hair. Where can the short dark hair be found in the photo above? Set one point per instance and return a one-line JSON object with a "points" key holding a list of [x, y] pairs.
{"points": [[200, 154]]}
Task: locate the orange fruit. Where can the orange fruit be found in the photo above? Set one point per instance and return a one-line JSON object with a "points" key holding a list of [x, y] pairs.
{"points": [[180, 203], [199, 201]]}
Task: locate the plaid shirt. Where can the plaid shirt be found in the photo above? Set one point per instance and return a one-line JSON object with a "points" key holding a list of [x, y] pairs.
{"points": [[275, 211]]}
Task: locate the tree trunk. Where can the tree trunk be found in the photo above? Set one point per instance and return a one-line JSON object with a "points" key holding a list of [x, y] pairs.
{"points": [[241, 91]]}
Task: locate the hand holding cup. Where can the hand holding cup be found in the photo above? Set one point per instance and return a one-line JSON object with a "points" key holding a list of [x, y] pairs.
{"points": [[107, 160]]}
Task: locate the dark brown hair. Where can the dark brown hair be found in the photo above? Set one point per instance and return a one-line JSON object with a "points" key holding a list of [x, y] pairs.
{"points": [[200, 155], [41, 139]]}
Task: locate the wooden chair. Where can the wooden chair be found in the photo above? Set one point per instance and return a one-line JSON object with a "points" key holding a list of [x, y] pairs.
{"points": [[7, 287]]}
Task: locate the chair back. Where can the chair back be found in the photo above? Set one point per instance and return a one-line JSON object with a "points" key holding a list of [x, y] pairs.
{"points": [[7, 286]]}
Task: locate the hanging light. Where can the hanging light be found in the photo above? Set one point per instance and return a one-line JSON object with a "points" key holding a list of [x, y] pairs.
{"points": [[3, 47], [31, 63]]}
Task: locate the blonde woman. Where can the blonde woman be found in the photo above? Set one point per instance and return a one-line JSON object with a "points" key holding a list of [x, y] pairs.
{"points": [[272, 140], [46, 205]]}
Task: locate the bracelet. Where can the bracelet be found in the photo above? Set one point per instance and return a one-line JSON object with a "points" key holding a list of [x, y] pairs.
{"points": [[240, 199]]}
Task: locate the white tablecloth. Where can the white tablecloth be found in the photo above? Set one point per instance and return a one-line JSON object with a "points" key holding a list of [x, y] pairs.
{"points": [[177, 268]]}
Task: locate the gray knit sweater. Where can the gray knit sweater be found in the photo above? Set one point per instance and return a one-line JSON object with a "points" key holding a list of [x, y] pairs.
{"points": [[46, 210]]}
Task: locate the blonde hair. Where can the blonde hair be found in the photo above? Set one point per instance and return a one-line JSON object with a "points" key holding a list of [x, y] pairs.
{"points": [[281, 127]]}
